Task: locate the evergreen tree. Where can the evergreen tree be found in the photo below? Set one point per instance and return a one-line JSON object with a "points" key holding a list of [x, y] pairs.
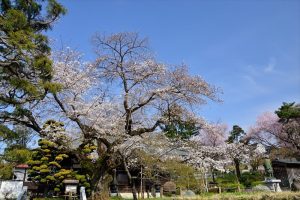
{"points": [[25, 66], [178, 123], [6, 135], [289, 118], [288, 111], [48, 164], [236, 136], [14, 151]]}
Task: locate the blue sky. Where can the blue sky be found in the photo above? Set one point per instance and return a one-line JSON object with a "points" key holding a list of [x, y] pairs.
{"points": [[250, 49]]}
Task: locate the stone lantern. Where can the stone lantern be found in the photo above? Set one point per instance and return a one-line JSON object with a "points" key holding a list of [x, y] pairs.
{"points": [[71, 187]]}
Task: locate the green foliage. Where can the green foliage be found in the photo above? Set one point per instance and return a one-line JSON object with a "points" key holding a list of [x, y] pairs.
{"points": [[248, 179], [116, 198], [6, 171], [16, 140], [6, 134], [181, 174], [88, 148], [25, 66], [17, 155], [228, 182], [24, 135], [180, 129], [177, 124], [226, 179], [57, 198], [46, 167], [21, 26], [236, 134], [289, 117], [288, 111], [251, 179], [52, 87]]}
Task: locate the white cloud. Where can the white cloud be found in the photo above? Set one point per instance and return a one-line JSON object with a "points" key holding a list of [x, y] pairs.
{"points": [[270, 66], [250, 79], [253, 86]]}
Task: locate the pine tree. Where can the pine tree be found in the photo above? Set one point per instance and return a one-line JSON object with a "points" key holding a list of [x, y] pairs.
{"points": [[236, 136], [178, 123], [25, 66], [47, 166]]}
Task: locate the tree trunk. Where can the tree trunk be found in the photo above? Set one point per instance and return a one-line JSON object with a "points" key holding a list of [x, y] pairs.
{"points": [[131, 181], [213, 174], [101, 181], [237, 168], [254, 166], [238, 173], [46, 190], [101, 189], [134, 190]]}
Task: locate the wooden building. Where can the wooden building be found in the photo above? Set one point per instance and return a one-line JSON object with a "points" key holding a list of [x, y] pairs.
{"points": [[286, 170], [148, 187]]}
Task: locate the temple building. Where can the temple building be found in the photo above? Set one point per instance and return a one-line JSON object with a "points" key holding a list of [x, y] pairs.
{"points": [[287, 170]]}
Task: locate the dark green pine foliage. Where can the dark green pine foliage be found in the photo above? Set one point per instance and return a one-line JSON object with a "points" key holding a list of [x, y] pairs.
{"points": [[177, 123], [6, 135], [181, 129], [288, 111], [289, 117], [14, 145], [52, 162], [236, 134], [47, 167], [25, 66]]}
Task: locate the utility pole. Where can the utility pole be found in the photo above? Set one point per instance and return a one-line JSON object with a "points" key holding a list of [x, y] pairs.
{"points": [[142, 192]]}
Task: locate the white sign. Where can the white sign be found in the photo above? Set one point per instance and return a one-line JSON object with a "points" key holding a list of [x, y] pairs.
{"points": [[71, 189]]}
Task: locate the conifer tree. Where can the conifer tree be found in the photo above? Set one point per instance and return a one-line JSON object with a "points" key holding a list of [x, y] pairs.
{"points": [[47, 167], [236, 136], [25, 66]]}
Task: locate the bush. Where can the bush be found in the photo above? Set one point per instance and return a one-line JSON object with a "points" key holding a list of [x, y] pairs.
{"points": [[58, 198], [228, 182], [6, 171], [249, 179], [116, 198]]}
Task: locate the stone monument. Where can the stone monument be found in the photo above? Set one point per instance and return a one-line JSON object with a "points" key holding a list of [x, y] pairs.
{"points": [[270, 180]]}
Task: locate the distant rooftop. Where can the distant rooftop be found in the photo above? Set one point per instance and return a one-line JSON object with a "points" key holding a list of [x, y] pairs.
{"points": [[287, 161], [23, 166]]}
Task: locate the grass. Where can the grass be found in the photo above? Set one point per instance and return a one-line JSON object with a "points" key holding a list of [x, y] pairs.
{"points": [[48, 199], [238, 196]]}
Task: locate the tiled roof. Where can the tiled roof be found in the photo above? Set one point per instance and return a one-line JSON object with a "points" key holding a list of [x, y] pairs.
{"points": [[22, 166], [287, 161]]}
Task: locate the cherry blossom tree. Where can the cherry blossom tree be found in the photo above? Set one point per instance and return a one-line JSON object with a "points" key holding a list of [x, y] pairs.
{"points": [[120, 97], [212, 134], [238, 153], [208, 148], [272, 131], [257, 154], [266, 130]]}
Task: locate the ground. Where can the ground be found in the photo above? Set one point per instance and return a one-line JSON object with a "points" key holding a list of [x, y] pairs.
{"points": [[240, 196]]}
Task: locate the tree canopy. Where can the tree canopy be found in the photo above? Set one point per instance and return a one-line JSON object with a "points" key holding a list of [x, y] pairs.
{"points": [[25, 66], [236, 134]]}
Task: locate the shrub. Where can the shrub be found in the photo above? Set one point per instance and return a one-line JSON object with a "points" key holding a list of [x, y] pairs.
{"points": [[249, 179]]}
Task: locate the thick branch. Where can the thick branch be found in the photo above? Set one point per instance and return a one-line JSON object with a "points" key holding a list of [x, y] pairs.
{"points": [[140, 131], [88, 132]]}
